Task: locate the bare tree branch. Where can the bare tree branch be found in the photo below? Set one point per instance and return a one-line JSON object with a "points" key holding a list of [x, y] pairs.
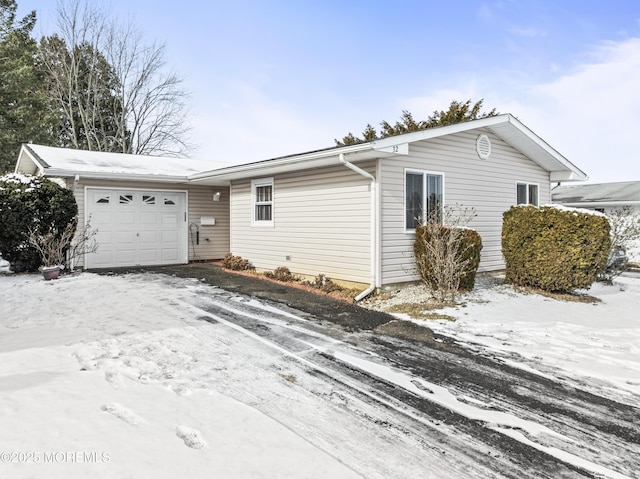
{"points": [[111, 88]]}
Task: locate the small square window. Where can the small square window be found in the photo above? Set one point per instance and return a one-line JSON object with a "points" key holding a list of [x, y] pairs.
{"points": [[148, 200], [126, 199], [103, 200], [527, 194]]}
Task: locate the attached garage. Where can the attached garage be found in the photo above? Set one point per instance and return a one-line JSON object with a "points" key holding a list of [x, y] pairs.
{"points": [[146, 209], [137, 227]]}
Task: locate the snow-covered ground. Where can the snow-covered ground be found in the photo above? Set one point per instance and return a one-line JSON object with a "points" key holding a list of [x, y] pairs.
{"points": [[597, 344], [119, 376]]}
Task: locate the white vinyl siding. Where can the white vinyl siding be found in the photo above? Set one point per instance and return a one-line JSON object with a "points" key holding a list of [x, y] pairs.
{"points": [[321, 224], [214, 240], [486, 185]]}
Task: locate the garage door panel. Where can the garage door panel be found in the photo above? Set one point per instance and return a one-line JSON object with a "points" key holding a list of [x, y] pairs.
{"points": [[98, 218], [169, 220], [149, 218], [137, 227], [149, 238], [169, 237], [124, 218], [124, 239], [169, 254], [148, 256], [125, 257]]}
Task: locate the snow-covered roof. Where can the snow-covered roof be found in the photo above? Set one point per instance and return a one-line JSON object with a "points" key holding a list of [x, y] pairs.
{"points": [[601, 193], [52, 161]]}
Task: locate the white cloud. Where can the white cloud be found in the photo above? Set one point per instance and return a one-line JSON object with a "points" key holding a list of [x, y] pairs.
{"points": [[248, 126], [592, 116]]}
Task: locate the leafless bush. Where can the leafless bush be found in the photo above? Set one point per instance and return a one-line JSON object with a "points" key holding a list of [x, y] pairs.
{"points": [[52, 246], [84, 242], [324, 284], [625, 231], [443, 253], [60, 248], [236, 263], [281, 273]]}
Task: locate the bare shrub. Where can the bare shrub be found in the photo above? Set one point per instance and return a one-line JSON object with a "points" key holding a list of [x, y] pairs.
{"points": [[281, 273], [625, 232], [62, 248], [447, 255], [237, 263], [324, 284]]}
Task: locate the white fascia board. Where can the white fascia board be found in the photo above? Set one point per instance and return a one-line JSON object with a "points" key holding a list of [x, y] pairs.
{"points": [[284, 163], [115, 176], [577, 173], [562, 176], [429, 133]]}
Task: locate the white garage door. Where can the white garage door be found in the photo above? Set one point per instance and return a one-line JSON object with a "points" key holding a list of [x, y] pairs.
{"points": [[137, 227]]}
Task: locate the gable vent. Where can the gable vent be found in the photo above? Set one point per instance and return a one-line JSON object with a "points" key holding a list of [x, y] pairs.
{"points": [[483, 147]]}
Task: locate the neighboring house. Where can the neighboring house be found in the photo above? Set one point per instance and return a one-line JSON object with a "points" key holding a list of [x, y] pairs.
{"points": [[349, 212], [603, 197]]}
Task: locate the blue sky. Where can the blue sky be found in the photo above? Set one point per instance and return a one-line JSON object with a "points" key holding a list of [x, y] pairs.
{"points": [[270, 78]]}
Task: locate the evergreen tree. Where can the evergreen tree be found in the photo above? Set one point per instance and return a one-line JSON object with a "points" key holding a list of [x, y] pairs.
{"points": [[458, 112], [24, 116]]}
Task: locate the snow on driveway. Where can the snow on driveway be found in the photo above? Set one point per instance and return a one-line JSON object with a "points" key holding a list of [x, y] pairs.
{"points": [[116, 376], [119, 376]]}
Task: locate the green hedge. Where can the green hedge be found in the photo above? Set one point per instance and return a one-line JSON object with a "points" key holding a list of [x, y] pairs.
{"points": [[435, 249], [31, 202], [552, 248]]}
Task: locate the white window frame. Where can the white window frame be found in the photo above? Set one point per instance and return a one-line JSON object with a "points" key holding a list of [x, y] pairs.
{"points": [[255, 184], [424, 173], [528, 184]]}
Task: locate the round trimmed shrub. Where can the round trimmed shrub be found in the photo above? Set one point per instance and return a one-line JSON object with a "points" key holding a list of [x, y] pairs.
{"points": [[553, 248], [30, 202]]}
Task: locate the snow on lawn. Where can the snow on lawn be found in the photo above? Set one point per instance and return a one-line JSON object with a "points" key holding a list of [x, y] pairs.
{"points": [[597, 344], [119, 376], [86, 369]]}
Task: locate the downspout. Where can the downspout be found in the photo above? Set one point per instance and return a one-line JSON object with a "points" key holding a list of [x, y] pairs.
{"points": [[373, 242], [75, 183]]}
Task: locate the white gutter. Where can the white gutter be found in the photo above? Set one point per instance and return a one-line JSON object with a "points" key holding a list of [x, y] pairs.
{"points": [[374, 223], [99, 175]]}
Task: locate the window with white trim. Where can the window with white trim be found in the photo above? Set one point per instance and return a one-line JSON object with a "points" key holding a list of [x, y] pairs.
{"points": [[424, 195], [262, 202], [527, 194]]}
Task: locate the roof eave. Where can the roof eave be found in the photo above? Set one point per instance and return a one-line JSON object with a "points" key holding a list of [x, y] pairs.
{"points": [[284, 164], [61, 173]]}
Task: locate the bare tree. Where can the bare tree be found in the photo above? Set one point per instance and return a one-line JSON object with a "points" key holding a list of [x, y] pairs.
{"points": [[110, 87]]}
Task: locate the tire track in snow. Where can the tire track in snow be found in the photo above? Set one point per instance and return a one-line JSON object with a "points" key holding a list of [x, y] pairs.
{"points": [[289, 335]]}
